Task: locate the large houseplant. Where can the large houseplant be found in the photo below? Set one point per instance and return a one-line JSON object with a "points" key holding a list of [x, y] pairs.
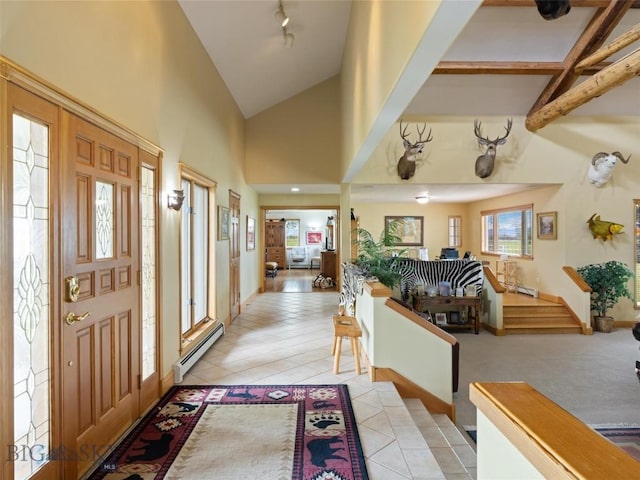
{"points": [[608, 282], [378, 258]]}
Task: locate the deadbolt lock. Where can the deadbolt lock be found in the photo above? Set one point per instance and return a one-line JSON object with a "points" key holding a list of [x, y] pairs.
{"points": [[71, 289]]}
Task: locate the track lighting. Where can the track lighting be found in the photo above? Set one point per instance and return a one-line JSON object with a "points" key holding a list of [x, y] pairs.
{"points": [[284, 21], [422, 199]]}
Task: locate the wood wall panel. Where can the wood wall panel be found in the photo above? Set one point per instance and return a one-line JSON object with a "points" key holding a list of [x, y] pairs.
{"points": [[86, 397], [84, 151], [124, 330], [104, 382], [83, 218], [106, 159], [124, 277], [106, 279], [124, 165], [86, 284]]}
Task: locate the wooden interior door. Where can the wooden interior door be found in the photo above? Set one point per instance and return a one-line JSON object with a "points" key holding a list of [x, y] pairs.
{"points": [[101, 330], [234, 253]]}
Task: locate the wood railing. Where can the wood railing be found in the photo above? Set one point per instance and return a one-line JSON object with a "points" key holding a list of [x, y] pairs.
{"points": [[535, 438]]}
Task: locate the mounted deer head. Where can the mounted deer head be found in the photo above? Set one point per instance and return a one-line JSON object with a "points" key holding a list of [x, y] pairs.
{"points": [[552, 9], [484, 163], [407, 163]]}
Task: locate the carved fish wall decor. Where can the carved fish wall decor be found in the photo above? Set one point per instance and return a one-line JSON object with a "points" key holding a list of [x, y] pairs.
{"points": [[602, 229]]}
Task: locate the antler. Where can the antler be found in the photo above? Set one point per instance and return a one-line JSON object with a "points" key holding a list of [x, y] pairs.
{"points": [[501, 140], [403, 133], [477, 126], [420, 132], [621, 158]]}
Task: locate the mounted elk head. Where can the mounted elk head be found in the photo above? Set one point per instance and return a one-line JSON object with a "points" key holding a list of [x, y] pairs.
{"points": [[407, 163], [552, 9], [602, 165], [484, 163]]}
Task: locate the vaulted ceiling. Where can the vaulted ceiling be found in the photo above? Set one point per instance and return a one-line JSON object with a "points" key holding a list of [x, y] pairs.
{"points": [[506, 60]]}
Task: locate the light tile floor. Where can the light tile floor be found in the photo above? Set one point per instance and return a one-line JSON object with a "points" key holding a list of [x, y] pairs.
{"points": [[286, 338]]}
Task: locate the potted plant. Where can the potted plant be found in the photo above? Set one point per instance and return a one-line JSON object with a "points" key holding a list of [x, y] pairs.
{"points": [[378, 258], [608, 282]]}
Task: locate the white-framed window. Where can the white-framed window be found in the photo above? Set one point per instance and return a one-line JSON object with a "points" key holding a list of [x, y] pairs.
{"points": [[197, 247], [636, 207], [455, 231], [508, 231]]}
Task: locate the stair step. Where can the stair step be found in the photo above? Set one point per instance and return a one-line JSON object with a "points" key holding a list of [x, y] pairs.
{"points": [[451, 449], [541, 328], [539, 319]]}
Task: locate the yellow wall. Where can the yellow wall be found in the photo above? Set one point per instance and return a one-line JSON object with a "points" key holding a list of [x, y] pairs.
{"points": [[141, 64], [558, 155], [297, 141]]}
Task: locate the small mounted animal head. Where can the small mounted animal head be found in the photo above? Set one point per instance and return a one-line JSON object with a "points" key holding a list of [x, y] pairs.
{"points": [[407, 163], [552, 9], [485, 163], [602, 166]]}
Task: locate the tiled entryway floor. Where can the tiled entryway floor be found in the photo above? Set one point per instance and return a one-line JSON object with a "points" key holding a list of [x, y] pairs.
{"points": [[286, 338]]}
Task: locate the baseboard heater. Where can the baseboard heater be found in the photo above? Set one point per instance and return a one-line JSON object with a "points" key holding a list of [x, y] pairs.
{"points": [[183, 365]]}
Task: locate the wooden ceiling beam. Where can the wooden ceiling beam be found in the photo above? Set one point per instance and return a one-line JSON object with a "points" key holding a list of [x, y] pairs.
{"points": [[615, 74], [615, 46], [532, 3], [507, 68], [591, 39]]}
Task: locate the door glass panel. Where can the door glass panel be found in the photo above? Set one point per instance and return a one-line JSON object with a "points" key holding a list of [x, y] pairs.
{"points": [[104, 220], [31, 316], [148, 232]]}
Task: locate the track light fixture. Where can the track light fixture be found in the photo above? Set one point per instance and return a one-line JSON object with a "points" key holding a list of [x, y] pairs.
{"points": [[422, 199], [284, 21]]}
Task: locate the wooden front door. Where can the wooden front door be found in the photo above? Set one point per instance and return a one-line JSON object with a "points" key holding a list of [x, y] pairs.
{"points": [[234, 253], [101, 330]]}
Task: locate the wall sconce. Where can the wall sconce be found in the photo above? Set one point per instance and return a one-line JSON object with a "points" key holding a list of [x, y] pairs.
{"points": [[175, 199], [422, 199]]}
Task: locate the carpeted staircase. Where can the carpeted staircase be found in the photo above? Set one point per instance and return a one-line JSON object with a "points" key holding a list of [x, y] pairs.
{"points": [[523, 314]]}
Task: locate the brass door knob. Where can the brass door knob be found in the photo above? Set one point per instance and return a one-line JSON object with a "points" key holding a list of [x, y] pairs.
{"points": [[72, 318]]}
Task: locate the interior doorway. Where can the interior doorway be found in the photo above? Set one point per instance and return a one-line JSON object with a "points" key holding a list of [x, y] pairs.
{"points": [[309, 236]]}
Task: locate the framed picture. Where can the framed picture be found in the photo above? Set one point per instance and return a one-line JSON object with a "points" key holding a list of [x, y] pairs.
{"points": [[409, 229], [251, 233], [223, 223], [441, 318], [292, 233], [547, 225], [314, 238]]}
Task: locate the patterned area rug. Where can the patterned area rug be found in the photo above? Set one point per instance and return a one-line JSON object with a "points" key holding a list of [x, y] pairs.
{"points": [[305, 432], [625, 437]]}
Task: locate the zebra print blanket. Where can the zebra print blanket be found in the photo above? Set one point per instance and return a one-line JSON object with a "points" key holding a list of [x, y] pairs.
{"points": [[459, 272]]}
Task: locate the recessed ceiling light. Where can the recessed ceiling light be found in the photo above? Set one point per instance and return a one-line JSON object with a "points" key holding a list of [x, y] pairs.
{"points": [[295, 189]]}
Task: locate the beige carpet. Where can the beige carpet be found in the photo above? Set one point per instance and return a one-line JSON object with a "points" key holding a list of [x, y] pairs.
{"points": [[237, 441]]}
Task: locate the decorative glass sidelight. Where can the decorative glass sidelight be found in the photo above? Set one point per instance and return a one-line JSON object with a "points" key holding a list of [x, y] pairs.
{"points": [[148, 240], [31, 299], [104, 220]]}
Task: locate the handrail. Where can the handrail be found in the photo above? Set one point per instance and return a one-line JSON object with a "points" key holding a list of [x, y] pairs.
{"points": [[555, 442], [493, 281], [377, 289], [577, 278]]}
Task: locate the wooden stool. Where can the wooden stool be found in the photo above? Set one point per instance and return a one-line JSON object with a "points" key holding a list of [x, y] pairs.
{"points": [[344, 326]]}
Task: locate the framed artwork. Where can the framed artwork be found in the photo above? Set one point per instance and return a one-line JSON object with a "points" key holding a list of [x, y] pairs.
{"points": [[409, 229], [314, 238], [251, 233], [292, 233], [547, 225], [441, 318], [223, 223]]}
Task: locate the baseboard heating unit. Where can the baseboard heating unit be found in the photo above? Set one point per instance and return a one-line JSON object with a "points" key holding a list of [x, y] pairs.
{"points": [[183, 365]]}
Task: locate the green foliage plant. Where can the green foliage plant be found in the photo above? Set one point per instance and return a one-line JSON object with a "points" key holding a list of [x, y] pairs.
{"points": [[379, 258], [608, 282]]}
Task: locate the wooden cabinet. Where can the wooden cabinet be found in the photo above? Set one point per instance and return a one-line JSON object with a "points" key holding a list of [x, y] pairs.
{"points": [[274, 242], [328, 265], [466, 310], [355, 224]]}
